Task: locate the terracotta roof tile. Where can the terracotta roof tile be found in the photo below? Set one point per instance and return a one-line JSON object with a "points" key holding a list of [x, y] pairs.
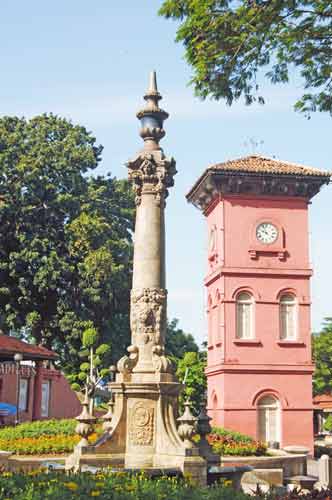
{"points": [[10, 345], [263, 164], [323, 398]]}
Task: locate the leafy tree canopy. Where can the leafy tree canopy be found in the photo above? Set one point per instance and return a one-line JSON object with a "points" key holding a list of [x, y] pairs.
{"points": [[65, 239], [322, 354], [227, 43], [177, 341]]}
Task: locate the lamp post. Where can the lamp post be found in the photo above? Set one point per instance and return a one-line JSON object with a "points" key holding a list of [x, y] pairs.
{"points": [[18, 357]]}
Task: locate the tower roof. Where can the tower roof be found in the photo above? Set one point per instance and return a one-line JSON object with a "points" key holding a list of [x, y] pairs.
{"points": [[238, 173], [265, 165]]}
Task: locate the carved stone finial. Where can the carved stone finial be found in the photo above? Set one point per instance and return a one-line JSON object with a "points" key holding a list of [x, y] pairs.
{"points": [[187, 426], [107, 418], [152, 117], [86, 421]]}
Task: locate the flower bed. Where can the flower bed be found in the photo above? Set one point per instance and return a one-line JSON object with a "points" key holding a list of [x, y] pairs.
{"points": [[43, 445], [118, 486], [121, 486], [230, 443], [58, 436], [41, 437], [65, 427]]}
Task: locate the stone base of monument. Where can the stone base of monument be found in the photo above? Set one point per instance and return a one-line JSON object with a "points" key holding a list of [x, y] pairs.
{"points": [[143, 433]]}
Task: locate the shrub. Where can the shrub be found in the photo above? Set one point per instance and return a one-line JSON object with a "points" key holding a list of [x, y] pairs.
{"points": [[105, 485], [328, 424], [39, 428], [42, 437], [37, 485], [225, 442], [43, 445]]}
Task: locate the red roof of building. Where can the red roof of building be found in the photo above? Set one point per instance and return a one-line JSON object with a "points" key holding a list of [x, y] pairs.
{"points": [[262, 165], [322, 401], [9, 346]]}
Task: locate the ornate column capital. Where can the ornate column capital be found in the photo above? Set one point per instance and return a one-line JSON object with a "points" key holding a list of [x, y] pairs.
{"points": [[151, 172]]}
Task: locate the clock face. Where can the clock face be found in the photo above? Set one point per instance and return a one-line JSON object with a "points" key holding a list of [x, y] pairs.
{"points": [[266, 233]]}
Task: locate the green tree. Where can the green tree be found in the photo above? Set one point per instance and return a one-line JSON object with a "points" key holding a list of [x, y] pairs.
{"points": [[191, 369], [65, 238], [228, 42], [322, 355], [177, 341]]}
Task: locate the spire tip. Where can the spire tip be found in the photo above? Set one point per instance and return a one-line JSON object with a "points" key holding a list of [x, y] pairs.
{"points": [[152, 89]]}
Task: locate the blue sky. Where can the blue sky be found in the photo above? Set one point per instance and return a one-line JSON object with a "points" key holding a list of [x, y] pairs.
{"points": [[89, 61]]}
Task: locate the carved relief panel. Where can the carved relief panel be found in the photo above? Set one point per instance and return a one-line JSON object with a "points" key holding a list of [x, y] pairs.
{"points": [[141, 424]]}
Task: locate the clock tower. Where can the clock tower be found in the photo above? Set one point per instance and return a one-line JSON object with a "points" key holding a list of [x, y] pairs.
{"points": [[258, 296]]}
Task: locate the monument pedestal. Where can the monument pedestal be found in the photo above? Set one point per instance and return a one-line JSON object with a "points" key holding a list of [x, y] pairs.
{"points": [[144, 431]]}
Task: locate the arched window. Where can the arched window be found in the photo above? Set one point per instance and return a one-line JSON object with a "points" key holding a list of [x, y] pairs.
{"points": [[244, 316], [288, 317], [268, 409]]}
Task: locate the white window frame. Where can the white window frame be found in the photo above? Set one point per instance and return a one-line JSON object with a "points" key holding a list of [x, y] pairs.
{"points": [[266, 409], [45, 405], [288, 302], [241, 333]]}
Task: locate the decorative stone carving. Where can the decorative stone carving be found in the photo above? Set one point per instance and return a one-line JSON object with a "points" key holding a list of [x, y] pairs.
{"points": [[160, 362], [85, 426], [187, 427], [141, 423], [127, 363], [151, 173], [107, 418], [148, 315]]}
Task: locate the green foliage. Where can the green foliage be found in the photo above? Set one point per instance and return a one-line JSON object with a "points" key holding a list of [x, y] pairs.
{"points": [[39, 428], [110, 486], [85, 367], [322, 355], [65, 239], [328, 424], [177, 341], [89, 337], [228, 42], [193, 364], [225, 442], [236, 436], [43, 445], [182, 349], [41, 437]]}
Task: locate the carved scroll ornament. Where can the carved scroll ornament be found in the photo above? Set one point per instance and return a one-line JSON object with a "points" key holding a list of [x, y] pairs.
{"points": [[151, 174]]}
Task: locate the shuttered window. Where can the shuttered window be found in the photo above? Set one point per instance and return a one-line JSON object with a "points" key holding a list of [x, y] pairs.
{"points": [[288, 317], [268, 419], [244, 316]]}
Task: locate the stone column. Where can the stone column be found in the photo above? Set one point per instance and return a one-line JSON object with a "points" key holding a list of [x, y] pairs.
{"points": [[151, 174], [143, 427]]}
